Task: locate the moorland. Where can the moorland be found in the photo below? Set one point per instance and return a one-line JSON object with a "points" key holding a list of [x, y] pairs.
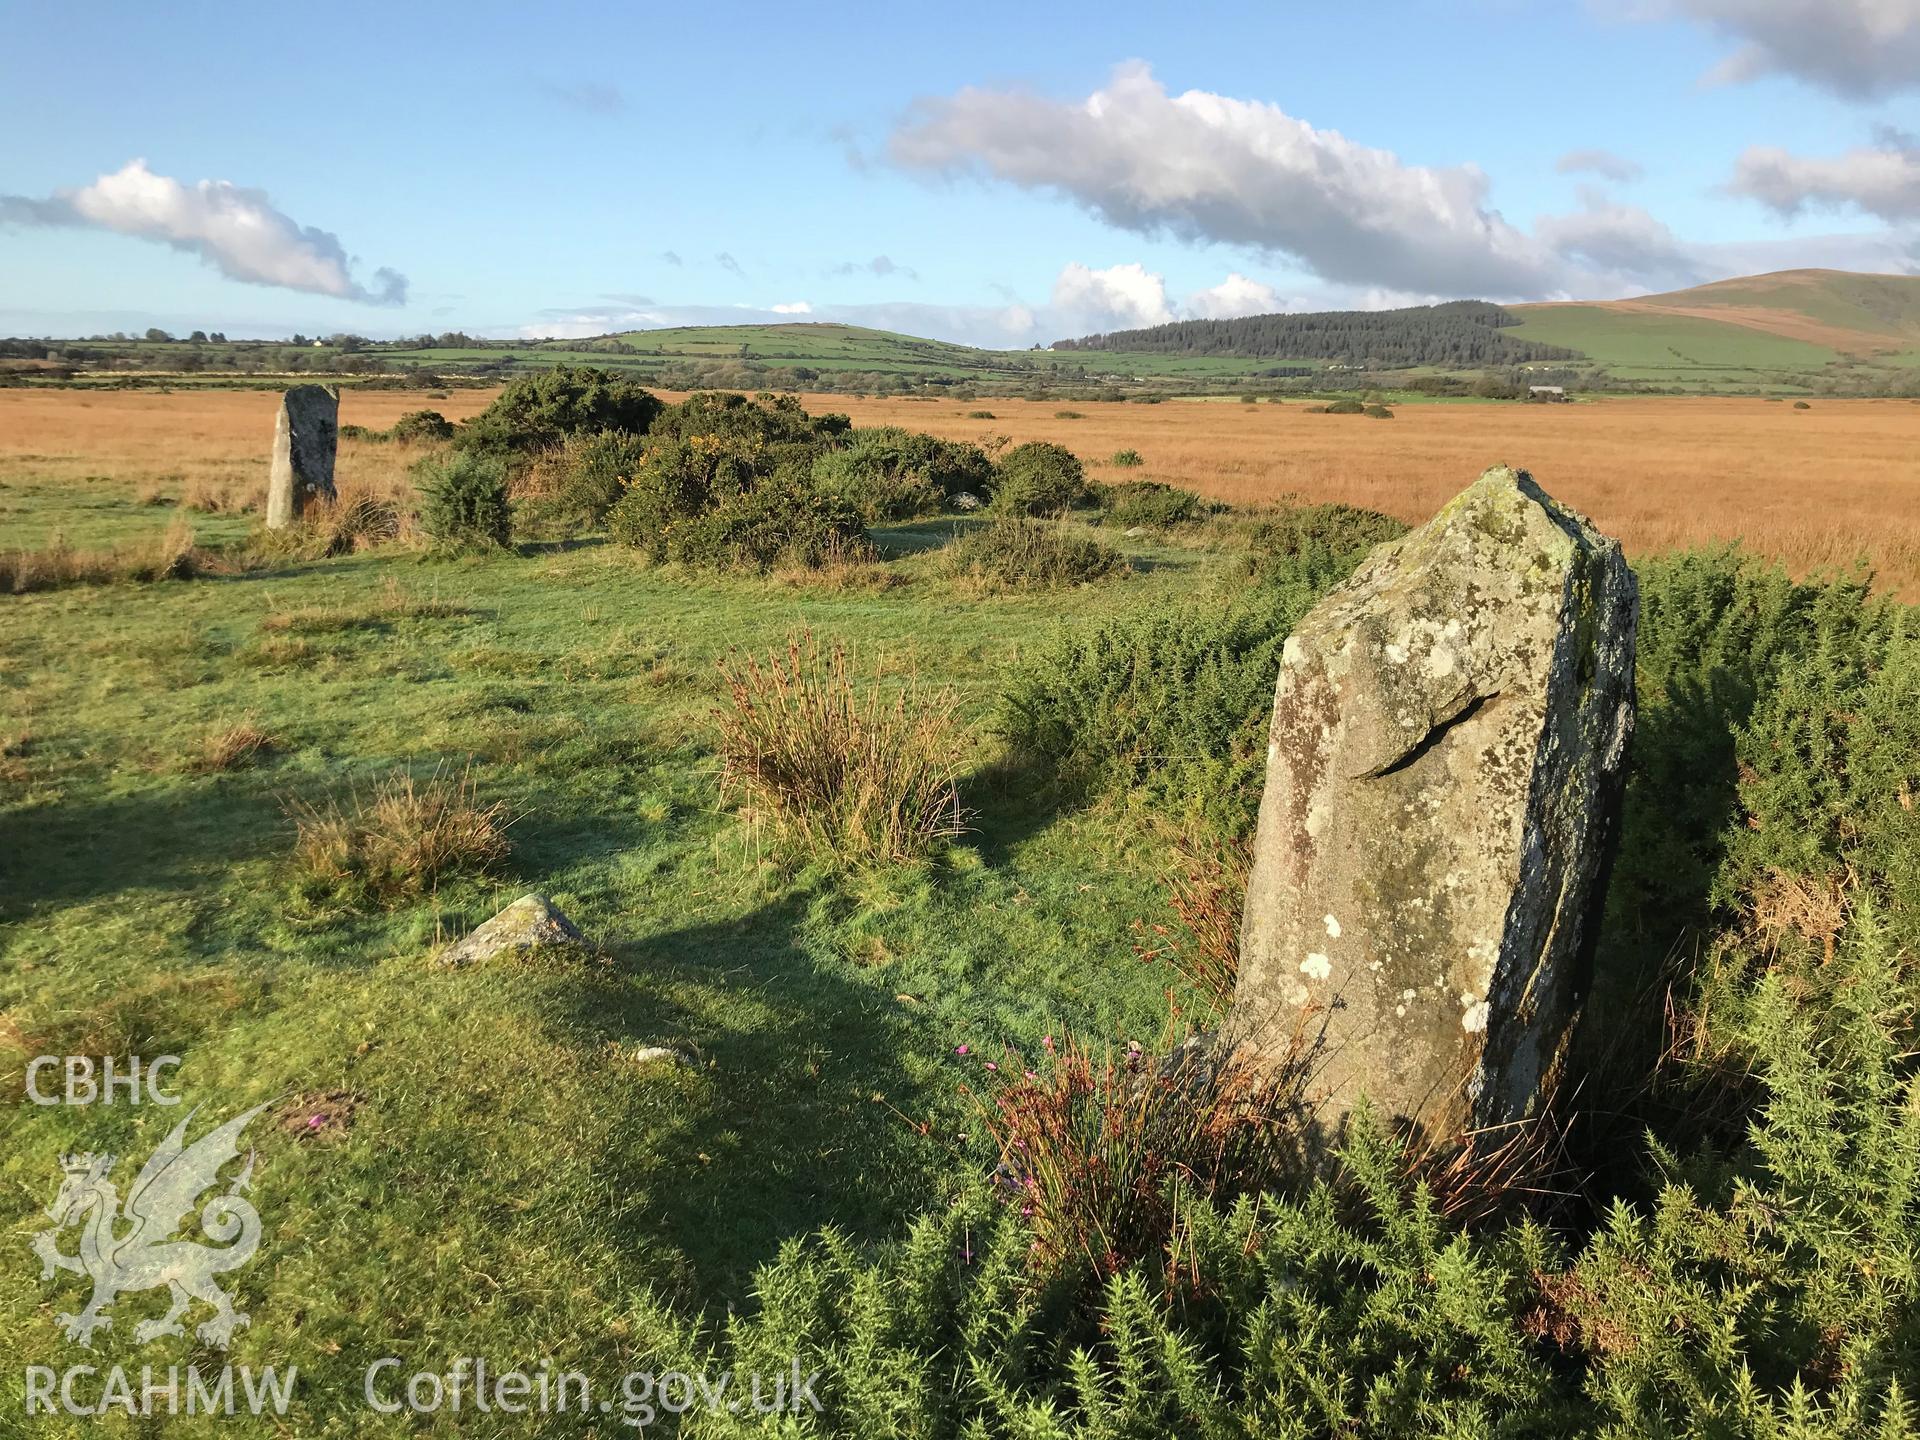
{"points": [[616, 647]]}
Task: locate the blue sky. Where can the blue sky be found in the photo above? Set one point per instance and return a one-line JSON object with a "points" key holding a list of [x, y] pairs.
{"points": [[1002, 174]]}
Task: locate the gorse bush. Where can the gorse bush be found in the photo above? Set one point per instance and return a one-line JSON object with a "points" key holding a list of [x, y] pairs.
{"points": [[421, 427], [1830, 756], [857, 776], [1350, 1311], [593, 469], [536, 412], [1149, 503], [1335, 532], [892, 474], [1173, 704], [1126, 459], [1014, 553], [1038, 478], [727, 481], [463, 500]]}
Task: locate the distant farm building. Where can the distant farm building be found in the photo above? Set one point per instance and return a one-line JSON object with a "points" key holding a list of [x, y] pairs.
{"points": [[1546, 392]]}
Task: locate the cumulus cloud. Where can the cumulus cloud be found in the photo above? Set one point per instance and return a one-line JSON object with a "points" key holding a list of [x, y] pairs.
{"points": [[1624, 241], [1084, 300], [1882, 180], [1120, 297], [1208, 167], [1233, 297], [233, 228], [732, 266], [1604, 163], [1860, 49], [671, 258]]}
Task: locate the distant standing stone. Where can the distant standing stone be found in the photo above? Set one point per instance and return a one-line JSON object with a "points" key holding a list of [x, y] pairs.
{"points": [[528, 923], [304, 439], [1443, 788]]}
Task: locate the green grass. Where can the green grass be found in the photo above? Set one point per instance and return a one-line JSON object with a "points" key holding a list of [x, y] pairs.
{"points": [[95, 513], [510, 1182], [1656, 346]]}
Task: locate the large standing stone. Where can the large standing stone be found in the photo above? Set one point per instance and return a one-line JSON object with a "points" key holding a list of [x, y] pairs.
{"points": [[304, 439], [1443, 787]]}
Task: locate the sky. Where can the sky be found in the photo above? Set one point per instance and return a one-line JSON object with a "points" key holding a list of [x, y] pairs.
{"points": [[1001, 175]]}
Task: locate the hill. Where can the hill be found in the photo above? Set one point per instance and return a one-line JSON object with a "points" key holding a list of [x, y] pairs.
{"points": [[1812, 331], [1805, 328], [1791, 320]]}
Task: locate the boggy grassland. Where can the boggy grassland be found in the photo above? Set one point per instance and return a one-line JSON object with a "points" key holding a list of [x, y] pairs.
{"points": [[1816, 488]]}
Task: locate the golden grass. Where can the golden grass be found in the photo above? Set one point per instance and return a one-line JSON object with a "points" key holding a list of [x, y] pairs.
{"points": [[208, 451], [171, 555], [1815, 487]]}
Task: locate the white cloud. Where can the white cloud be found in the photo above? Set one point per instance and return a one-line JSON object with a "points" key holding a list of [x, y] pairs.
{"points": [[1623, 241], [1883, 180], [1859, 49], [1119, 297], [1604, 163], [233, 228], [1084, 301], [1208, 167], [1233, 297]]}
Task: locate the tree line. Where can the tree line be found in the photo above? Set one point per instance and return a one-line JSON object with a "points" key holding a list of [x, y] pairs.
{"points": [[1460, 333]]}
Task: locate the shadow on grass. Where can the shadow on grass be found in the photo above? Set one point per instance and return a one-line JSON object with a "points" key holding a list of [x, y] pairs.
{"points": [[791, 1125], [1012, 800], [919, 537], [153, 839]]}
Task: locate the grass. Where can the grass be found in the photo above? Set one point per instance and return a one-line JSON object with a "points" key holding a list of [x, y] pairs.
{"points": [[854, 775], [523, 1180], [1655, 346], [1659, 473], [240, 815]]}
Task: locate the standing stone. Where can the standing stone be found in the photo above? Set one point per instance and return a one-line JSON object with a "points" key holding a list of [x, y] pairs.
{"points": [[1442, 797], [304, 437]]}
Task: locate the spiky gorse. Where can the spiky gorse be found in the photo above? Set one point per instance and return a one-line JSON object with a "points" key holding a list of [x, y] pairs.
{"points": [[849, 770], [1754, 1272]]}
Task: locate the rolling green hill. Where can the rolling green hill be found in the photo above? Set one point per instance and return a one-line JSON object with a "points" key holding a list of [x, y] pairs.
{"points": [[1755, 329], [1797, 330]]}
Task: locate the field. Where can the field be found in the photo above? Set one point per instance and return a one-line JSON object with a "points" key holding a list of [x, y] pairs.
{"points": [[1817, 488]]}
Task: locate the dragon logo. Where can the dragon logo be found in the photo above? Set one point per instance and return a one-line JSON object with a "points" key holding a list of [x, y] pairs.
{"points": [[135, 1250]]}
